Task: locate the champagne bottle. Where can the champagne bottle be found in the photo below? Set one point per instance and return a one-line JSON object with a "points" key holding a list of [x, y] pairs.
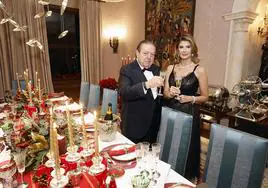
{"points": [[109, 114]]}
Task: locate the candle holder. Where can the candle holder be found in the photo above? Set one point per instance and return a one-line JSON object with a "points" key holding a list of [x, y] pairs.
{"points": [[72, 154], [58, 180], [97, 166], [50, 163]]}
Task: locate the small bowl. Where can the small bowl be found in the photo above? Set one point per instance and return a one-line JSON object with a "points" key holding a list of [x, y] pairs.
{"points": [[140, 181]]}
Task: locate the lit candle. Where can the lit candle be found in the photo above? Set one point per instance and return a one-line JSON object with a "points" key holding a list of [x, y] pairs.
{"points": [[39, 91], [70, 128], [56, 150], [35, 81], [18, 81], [83, 126], [30, 91], [122, 61], [96, 134]]}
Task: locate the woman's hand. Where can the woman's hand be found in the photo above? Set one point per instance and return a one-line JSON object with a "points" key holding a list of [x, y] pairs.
{"points": [[184, 98], [174, 91]]}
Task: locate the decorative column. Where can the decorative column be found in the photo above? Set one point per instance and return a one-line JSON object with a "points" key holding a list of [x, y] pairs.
{"points": [[238, 42]]}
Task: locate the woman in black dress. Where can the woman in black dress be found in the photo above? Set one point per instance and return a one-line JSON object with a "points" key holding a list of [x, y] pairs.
{"points": [[183, 79]]}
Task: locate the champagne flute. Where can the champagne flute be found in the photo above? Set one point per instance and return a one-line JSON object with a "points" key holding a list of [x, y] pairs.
{"points": [[178, 80], [162, 75], [19, 158]]}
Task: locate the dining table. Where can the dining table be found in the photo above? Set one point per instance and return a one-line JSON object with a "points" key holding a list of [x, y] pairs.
{"points": [[167, 175]]}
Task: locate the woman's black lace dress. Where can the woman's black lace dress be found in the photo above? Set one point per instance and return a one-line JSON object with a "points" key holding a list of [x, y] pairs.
{"points": [[189, 86]]}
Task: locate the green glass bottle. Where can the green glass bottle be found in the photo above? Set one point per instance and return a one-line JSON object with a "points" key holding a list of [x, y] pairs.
{"points": [[109, 114]]}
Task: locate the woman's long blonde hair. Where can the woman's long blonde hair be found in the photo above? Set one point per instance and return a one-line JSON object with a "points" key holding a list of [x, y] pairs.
{"points": [[194, 55]]}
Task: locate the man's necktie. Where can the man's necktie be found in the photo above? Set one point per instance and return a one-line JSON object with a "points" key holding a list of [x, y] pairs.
{"points": [[144, 69]]}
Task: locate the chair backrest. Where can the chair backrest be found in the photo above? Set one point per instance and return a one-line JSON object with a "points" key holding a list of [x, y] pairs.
{"points": [[109, 96], [234, 159], [15, 86], [94, 97], [84, 91], [175, 137]]}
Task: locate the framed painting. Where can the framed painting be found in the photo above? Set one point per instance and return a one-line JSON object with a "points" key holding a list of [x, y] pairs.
{"points": [[165, 22]]}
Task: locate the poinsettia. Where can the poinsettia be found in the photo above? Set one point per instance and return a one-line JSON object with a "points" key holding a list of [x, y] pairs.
{"points": [[109, 83]]}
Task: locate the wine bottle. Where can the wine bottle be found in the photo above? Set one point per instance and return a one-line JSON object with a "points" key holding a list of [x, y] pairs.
{"points": [[109, 114]]}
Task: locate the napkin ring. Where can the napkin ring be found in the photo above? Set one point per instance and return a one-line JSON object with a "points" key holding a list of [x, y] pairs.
{"points": [[125, 149]]}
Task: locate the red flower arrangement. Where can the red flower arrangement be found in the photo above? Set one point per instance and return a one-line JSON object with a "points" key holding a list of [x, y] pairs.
{"points": [[109, 83]]}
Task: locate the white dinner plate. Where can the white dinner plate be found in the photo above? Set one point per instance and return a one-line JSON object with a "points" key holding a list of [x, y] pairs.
{"points": [[126, 157]]}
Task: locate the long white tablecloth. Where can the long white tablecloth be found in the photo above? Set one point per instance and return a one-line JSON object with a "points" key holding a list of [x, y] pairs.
{"points": [[167, 174]]}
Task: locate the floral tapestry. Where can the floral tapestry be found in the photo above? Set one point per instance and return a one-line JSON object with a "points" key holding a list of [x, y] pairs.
{"points": [[165, 22]]}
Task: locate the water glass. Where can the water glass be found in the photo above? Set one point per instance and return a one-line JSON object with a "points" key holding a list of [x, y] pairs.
{"points": [[139, 155], [156, 148]]}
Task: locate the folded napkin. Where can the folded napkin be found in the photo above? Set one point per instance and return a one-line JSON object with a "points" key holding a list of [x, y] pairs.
{"points": [[122, 151], [55, 95], [177, 185]]}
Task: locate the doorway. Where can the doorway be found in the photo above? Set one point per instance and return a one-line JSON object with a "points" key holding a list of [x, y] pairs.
{"points": [[64, 53]]}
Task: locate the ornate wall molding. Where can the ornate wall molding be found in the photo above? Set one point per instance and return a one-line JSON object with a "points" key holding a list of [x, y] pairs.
{"points": [[241, 20]]}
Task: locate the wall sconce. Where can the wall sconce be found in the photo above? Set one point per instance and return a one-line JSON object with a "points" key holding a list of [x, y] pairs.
{"points": [[114, 43], [114, 34]]}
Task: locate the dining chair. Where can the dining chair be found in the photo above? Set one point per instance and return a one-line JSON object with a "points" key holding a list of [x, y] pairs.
{"points": [[94, 97], [235, 159], [109, 96], [84, 92], [175, 136], [15, 86]]}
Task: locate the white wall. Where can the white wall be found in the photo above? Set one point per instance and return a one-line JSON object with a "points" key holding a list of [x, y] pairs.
{"points": [[131, 14], [212, 33]]}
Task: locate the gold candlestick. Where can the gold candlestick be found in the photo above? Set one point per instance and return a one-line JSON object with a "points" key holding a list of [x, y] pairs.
{"points": [[83, 126], [35, 81], [51, 132], [39, 91], [27, 76], [30, 91], [18, 82], [96, 134], [70, 128], [56, 150]]}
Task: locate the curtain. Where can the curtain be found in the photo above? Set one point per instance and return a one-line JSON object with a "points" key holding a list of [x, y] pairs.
{"points": [[90, 41], [15, 55]]}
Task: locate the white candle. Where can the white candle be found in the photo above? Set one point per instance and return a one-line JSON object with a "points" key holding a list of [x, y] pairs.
{"points": [[18, 81], [96, 134]]}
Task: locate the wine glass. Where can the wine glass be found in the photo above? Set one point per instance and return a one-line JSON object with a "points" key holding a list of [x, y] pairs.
{"points": [[160, 89], [156, 148], [19, 158]]}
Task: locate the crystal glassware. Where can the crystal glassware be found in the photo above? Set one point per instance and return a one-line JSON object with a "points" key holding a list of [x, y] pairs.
{"points": [[19, 158], [139, 155], [160, 89], [156, 148], [178, 80]]}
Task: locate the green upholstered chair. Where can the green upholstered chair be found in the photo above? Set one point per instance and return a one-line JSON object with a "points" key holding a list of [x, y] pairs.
{"points": [[94, 97], [15, 86], [235, 159], [84, 92], [175, 137]]}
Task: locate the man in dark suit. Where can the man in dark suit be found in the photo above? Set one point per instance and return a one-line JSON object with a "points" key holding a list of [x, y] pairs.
{"points": [[138, 82]]}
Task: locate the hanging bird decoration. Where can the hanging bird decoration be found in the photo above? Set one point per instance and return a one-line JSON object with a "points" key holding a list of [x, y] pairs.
{"points": [[63, 6]]}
